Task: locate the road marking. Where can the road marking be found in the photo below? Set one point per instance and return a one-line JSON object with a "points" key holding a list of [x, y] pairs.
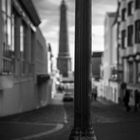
{"points": [[58, 127], [27, 123], [65, 117]]}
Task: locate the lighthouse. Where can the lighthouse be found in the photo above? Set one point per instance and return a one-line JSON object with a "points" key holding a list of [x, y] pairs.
{"points": [[64, 59]]}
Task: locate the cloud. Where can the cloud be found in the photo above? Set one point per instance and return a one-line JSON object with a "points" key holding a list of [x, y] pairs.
{"points": [[98, 30], [49, 11], [97, 37], [100, 7]]}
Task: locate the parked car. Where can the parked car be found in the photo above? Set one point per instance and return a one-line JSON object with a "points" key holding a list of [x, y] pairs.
{"points": [[68, 96], [69, 91]]}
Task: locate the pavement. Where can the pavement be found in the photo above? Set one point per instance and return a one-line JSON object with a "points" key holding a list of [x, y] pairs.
{"points": [[55, 121], [34, 124], [112, 122]]}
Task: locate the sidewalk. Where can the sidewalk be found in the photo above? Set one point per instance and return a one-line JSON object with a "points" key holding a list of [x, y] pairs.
{"points": [[117, 131], [114, 123], [21, 130], [110, 122], [105, 101], [33, 124]]}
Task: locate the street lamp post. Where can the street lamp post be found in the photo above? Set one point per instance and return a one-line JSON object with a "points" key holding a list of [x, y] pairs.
{"points": [[83, 128]]}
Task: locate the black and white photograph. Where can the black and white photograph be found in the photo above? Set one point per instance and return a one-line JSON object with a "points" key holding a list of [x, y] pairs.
{"points": [[69, 69]]}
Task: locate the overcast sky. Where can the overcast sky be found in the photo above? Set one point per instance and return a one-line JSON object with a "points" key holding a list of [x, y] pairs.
{"points": [[48, 11]]}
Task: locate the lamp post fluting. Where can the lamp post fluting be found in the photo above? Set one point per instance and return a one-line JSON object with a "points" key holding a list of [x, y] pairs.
{"points": [[83, 127]]}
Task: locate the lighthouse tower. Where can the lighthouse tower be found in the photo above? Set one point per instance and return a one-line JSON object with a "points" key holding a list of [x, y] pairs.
{"points": [[64, 59]]}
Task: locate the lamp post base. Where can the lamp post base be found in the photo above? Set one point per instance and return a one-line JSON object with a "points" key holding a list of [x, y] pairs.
{"points": [[78, 135], [82, 138]]}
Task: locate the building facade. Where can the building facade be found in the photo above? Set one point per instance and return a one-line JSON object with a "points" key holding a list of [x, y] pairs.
{"points": [[23, 63], [109, 87], [96, 70], [129, 42], [96, 64]]}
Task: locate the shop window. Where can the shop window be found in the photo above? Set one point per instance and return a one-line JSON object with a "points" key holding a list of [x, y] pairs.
{"points": [[130, 35], [137, 31]]}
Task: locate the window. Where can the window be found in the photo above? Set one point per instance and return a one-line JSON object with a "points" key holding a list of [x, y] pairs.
{"points": [[123, 14], [13, 32], [123, 39], [130, 35], [138, 72], [137, 31], [130, 8], [32, 51], [7, 36], [137, 4], [16, 42], [22, 48], [130, 69], [22, 41], [39, 54]]}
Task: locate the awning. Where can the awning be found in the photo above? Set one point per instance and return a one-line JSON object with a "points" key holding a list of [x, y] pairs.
{"points": [[42, 78]]}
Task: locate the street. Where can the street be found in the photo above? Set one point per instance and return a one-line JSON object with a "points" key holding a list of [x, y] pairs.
{"points": [[110, 121]]}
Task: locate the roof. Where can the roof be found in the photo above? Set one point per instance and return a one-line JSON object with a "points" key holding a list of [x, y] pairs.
{"points": [[31, 11]]}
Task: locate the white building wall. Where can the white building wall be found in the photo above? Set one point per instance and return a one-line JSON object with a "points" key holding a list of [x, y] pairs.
{"points": [[109, 89], [107, 57]]}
